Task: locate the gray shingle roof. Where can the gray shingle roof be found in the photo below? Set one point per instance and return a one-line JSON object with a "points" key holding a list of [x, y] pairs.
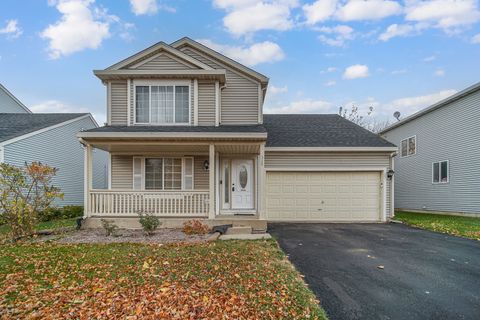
{"points": [[318, 130], [219, 129], [13, 125]]}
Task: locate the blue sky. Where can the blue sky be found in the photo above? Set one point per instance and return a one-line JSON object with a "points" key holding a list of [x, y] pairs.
{"points": [[319, 55]]}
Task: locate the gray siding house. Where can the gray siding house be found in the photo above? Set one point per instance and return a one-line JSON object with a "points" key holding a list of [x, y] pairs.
{"points": [[187, 137], [9, 103], [437, 168], [50, 138]]}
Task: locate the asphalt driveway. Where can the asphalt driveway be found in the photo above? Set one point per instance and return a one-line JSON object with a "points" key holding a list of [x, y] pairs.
{"points": [[426, 275]]}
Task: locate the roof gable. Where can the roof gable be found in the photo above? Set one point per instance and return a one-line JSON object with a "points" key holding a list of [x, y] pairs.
{"points": [[187, 42], [162, 61], [16, 106], [153, 51]]}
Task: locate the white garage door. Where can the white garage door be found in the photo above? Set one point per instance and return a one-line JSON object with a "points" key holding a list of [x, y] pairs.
{"points": [[323, 196]]}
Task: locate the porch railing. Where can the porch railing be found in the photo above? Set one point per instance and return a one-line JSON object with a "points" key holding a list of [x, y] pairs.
{"points": [[160, 203]]}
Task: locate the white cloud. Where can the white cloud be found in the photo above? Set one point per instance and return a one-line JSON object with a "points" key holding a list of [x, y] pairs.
{"points": [[80, 27], [320, 10], [445, 14], [429, 58], [439, 73], [277, 90], [140, 7], [56, 106], [149, 7], [410, 105], [329, 70], [337, 36], [330, 83], [245, 17], [401, 30], [257, 53], [355, 10], [356, 71], [303, 106], [476, 38], [11, 29]]}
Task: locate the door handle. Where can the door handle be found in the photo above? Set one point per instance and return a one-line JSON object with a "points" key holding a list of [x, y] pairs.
{"points": [[233, 188]]}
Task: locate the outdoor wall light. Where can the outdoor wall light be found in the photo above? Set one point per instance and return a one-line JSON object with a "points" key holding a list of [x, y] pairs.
{"points": [[206, 165], [390, 174]]}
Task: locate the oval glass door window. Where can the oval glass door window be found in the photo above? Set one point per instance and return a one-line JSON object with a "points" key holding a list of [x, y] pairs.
{"points": [[243, 177]]}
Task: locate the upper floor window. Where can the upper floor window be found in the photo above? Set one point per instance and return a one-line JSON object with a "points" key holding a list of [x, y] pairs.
{"points": [[409, 146], [162, 103], [440, 172]]}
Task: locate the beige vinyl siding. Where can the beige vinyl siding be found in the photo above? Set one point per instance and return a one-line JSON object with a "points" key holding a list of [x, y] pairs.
{"points": [[118, 102], [206, 103], [239, 99], [200, 174], [317, 160], [164, 62], [122, 172]]}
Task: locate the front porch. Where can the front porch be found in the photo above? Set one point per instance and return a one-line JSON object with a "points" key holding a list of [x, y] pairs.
{"points": [[177, 180]]}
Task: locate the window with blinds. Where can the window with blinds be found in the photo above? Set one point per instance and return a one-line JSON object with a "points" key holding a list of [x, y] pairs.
{"points": [[163, 173]]}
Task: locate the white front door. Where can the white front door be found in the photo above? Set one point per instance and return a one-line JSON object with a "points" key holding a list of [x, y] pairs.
{"points": [[242, 184]]}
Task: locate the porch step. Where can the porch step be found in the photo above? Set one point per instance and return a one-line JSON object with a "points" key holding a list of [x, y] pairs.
{"points": [[239, 230]]}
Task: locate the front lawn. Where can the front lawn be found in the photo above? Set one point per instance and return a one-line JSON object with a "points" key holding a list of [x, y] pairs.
{"points": [[458, 226], [48, 225], [216, 280]]}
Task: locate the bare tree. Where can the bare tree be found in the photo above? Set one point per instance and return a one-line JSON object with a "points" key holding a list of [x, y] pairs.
{"points": [[367, 121]]}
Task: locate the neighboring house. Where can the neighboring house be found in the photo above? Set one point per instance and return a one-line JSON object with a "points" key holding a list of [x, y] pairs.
{"points": [[187, 138], [9, 103], [438, 167], [50, 138]]}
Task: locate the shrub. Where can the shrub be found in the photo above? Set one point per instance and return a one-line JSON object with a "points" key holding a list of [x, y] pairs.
{"points": [[66, 212], [195, 227], [110, 227], [24, 192], [149, 223]]}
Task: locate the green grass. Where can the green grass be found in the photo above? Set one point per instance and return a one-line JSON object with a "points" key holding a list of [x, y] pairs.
{"points": [[54, 224], [215, 280], [458, 226]]}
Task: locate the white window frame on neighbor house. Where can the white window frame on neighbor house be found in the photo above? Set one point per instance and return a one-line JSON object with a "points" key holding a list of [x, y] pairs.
{"points": [[440, 172], [143, 177], [408, 141], [168, 83]]}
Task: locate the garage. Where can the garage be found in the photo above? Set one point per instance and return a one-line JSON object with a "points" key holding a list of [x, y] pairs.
{"points": [[323, 196]]}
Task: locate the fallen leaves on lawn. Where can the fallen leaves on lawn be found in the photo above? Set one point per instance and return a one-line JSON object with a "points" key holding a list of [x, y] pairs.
{"points": [[228, 280]]}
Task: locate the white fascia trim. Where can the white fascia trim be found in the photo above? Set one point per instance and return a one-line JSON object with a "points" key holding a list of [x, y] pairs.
{"points": [[136, 135], [328, 149], [195, 102], [155, 47], [329, 169], [31, 134]]}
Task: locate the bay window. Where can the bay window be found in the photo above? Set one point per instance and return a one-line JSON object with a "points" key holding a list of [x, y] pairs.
{"points": [[162, 103]]}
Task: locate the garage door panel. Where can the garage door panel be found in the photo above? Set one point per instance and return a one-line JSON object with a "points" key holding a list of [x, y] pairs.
{"points": [[323, 196]]}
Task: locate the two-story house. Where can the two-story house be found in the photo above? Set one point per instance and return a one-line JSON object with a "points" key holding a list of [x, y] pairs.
{"points": [[187, 137], [438, 167]]}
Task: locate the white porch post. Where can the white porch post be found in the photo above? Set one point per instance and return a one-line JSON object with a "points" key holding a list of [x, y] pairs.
{"points": [[87, 163], [211, 200], [261, 182]]}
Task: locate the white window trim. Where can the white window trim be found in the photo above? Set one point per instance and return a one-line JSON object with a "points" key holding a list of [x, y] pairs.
{"points": [[416, 147], [150, 83], [440, 171], [143, 171]]}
